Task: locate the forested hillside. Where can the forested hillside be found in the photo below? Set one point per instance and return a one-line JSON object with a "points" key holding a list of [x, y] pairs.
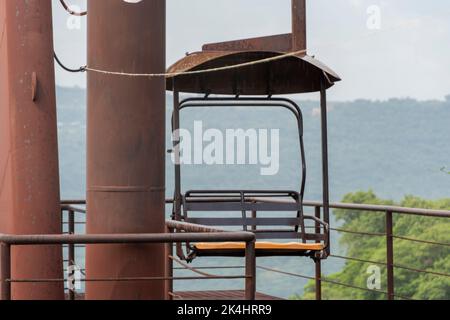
{"points": [[411, 254]]}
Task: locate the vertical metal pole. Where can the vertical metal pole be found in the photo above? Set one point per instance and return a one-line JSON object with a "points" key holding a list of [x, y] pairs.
{"points": [[176, 145], [126, 149], [169, 268], [29, 173], [299, 37], [325, 178], [318, 262], [250, 271], [5, 271], [254, 216], [390, 255], [71, 249]]}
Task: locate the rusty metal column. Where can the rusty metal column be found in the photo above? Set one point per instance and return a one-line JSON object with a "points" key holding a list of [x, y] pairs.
{"points": [[126, 145], [5, 271], [29, 174]]}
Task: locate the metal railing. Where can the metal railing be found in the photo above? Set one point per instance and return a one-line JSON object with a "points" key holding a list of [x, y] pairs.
{"points": [[389, 212], [189, 233], [390, 264]]}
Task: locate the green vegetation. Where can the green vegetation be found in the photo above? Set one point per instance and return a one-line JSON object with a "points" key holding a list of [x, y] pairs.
{"points": [[406, 253]]}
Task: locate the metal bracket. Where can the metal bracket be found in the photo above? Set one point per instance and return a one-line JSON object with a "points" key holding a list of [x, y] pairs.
{"points": [[34, 86]]}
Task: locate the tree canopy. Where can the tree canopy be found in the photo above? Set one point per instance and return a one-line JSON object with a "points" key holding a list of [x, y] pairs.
{"points": [[429, 257]]}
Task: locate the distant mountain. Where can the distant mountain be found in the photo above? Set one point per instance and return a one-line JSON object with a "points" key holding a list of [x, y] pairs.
{"points": [[396, 147]]}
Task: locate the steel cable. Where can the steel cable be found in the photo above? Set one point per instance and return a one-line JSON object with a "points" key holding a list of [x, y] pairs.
{"points": [[81, 69], [70, 11], [422, 241], [394, 265], [376, 234], [330, 281]]}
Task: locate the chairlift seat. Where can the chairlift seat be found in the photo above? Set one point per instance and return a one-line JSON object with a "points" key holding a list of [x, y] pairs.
{"points": [[263, 249], [277, 226]]}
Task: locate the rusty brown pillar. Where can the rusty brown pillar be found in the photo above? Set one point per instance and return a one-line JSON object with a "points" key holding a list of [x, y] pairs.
{"points": [[126, 145], [299, 25], [29, 177]]}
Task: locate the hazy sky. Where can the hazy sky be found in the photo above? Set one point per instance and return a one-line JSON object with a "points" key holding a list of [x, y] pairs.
{"points": [[409, 56]]}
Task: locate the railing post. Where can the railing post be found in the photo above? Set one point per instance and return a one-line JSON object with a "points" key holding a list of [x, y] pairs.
{"points": [[318, 262], [390, 255], [71, 251], [254, 216], [5, 271], [169, 268], [250, 271], [325, 166]]}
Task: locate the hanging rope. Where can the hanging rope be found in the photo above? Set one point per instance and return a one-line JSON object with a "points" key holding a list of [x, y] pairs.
{"points": [[74, 13], [175, 74]]}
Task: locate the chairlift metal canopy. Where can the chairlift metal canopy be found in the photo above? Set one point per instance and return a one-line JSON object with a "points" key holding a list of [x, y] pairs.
{"points": [[290, 75]]}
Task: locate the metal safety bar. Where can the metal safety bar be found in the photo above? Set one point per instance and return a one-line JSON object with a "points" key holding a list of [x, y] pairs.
{"points": [[189, 233]]}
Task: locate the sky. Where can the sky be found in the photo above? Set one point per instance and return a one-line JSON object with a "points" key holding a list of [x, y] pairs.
{"points": [[381, 48]]}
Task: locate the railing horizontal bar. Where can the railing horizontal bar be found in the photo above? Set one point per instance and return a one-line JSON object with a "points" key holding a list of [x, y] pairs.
{"points": [[280, 235], [224, 223], [212, 267], [247, 221], [127, 279], [381, 208], [238, 206], [368, 207], [349, 206], [125, 238]]}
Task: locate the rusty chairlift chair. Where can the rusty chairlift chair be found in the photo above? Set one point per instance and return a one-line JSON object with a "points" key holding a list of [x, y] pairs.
{"points": [[254, 86], [252, 201]]}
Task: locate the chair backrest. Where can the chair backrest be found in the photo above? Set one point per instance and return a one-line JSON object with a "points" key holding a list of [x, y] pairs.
{"points": [[249, 204]]}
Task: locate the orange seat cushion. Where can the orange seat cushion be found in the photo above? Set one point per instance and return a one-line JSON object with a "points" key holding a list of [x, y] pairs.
{"points": [[292, 246]]}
